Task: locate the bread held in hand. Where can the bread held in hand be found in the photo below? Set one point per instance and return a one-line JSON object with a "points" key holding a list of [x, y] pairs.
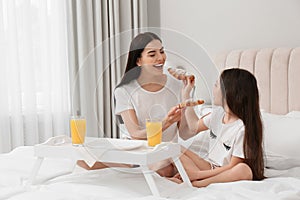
{"points": [[190, 103], [180, 74]]}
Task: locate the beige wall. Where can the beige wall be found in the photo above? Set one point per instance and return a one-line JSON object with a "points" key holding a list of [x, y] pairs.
{"points": [[218, 26], [233, 24]]}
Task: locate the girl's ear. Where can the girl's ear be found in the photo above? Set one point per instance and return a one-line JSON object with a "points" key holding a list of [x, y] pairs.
{"points": [[138, 62]]}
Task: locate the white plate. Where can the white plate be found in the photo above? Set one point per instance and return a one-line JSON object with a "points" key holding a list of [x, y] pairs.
{"points": [[107, 143]]}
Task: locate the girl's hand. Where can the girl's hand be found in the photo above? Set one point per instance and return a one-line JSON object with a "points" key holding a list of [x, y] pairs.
{"points": [[174, 115], [187, 88], [178, 177], [190, 175]]}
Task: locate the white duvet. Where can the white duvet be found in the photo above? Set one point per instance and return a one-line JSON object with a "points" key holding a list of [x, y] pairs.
{"points": [[54, 182]]}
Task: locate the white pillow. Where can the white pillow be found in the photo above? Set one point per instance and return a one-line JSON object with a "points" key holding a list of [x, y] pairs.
{"points": [[295, 114], [281, 140]]}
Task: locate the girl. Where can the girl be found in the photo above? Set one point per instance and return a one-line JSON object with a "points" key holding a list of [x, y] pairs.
{"points": [[235, 146]]}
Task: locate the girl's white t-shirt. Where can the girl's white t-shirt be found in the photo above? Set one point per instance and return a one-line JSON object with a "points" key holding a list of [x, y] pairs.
{"points": [[150, 104], [226, 140]]}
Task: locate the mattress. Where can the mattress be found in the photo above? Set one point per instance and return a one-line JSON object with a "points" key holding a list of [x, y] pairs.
{"points": [[55, 181]]}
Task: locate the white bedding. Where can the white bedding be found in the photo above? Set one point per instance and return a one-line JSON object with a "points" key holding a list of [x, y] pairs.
{"points": [[129, 184]]}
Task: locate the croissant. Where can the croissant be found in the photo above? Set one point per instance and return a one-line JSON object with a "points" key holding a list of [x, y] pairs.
{"points": [[190, 103], [180, 74]]}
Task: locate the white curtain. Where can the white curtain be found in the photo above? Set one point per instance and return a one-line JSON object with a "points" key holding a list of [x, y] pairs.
{"points": [[100, 32], [34, 84]]}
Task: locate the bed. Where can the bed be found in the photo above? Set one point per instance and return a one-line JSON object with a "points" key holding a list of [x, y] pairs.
{"points": [[277, 72]]}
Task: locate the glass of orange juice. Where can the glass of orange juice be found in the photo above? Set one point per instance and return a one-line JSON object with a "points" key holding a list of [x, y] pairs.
{"points": [[78, 130], [154, 131]]}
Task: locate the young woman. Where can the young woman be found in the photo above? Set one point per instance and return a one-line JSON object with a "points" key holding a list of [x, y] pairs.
{"points": [[235, 146], [145, 91]]}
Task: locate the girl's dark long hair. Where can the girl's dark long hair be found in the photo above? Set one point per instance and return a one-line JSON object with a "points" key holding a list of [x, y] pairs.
{"points": [[239, 88], [137, 46]]}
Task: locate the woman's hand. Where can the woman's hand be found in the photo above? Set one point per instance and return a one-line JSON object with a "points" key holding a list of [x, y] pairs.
{"points": [[174, 115], [187, 88]]}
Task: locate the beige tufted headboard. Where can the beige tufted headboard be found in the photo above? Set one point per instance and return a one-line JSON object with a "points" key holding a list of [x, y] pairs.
{"points": [[277, 72]]}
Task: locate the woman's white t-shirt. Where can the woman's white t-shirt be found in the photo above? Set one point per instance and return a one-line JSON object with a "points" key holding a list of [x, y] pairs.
{"points": [[226, 140], [150, 104]]}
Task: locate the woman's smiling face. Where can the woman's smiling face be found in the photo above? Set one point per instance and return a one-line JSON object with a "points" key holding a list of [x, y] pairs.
{"points": [[153, 57]]}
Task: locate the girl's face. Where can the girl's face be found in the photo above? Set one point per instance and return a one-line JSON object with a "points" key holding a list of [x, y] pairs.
{"points": [[217, 94], [153, 57]]}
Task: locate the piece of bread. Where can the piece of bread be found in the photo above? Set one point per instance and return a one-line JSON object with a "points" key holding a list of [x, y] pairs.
{"points": [[180, 74], [190, 103]]}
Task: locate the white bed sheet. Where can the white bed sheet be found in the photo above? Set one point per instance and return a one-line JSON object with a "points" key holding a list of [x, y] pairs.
{"points": [[126, 184]]}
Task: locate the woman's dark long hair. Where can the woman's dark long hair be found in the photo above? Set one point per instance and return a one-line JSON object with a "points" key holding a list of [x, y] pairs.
{"points": [[239, 88], [137, 46]]}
